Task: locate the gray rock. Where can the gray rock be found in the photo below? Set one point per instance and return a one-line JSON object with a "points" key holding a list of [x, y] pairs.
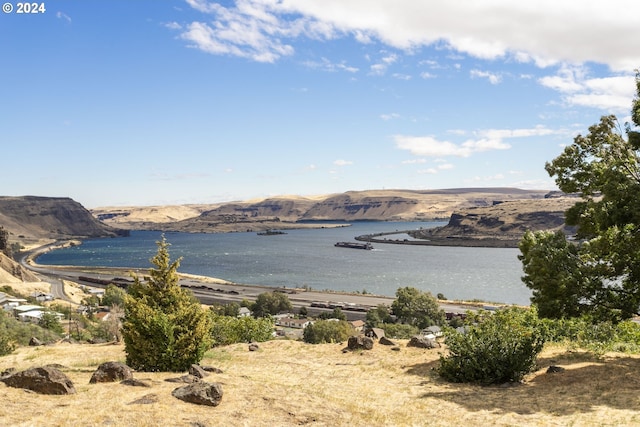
{"points": [[135, 383], [360, 342], [34, 342], [254, 347], [145, 400], [110, 372], [553, 369], [200, 393], [386, 341], [43, 380], [422, 342], [197, 371]]}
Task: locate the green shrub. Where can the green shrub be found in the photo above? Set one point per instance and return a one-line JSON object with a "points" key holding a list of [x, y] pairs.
{"points": [[499, 347], [399, 330], [227, 330], [327, 331], [165, 328]]}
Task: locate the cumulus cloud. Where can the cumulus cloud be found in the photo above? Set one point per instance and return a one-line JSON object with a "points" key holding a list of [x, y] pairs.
{"points": [[545, 32], [578, 89], [493, 78], [485, 140]]}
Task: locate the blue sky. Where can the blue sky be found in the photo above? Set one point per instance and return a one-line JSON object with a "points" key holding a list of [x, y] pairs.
{"points": [[173, 102]]}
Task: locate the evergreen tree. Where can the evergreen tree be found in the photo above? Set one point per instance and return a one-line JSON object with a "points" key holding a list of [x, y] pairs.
{"points": [[165, 328]]}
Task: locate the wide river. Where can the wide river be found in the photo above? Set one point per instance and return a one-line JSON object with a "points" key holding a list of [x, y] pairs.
{"points": [[309, 258]]}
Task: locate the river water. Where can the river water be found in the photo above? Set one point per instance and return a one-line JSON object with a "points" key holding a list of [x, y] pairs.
{"points": [[308, 258]]}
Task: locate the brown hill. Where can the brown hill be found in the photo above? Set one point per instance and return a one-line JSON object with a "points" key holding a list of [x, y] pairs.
{"points": [[502, 224], [293, 211], [34, 220]]}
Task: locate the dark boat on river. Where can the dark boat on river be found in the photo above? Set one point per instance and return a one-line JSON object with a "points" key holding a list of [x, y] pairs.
{"points": [[271, 233], [354, 245]]}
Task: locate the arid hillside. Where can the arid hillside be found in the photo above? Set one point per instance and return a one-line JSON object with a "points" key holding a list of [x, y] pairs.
{"points": [[289, 383], [34, 220], [294, 211]]}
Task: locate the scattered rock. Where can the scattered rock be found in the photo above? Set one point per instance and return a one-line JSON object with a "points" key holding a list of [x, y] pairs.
{"points": [[34, 342], [146, 400], [360, 342], [254, 346], [200, 393], [43, 380], [212, 369], [135, 383], [553, 369], [111, 372], [8, 372], [386, 341], [395, 348], [188, 379], [197, 371], [422, 342]]}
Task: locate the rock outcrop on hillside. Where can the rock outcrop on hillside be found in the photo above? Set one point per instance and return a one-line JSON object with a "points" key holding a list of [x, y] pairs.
{"points": [[31, 219], [502, 224], [295, 212]]}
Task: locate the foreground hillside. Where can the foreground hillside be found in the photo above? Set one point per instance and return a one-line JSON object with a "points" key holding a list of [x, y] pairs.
{"points": [[289, 383], [294, 211]]}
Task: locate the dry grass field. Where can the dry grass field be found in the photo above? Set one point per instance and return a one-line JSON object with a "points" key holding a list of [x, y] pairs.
{"points": [[289, 383]]}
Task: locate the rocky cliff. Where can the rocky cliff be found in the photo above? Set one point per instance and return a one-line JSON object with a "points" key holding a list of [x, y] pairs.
{"points": [[502, 224], [294, 211]]}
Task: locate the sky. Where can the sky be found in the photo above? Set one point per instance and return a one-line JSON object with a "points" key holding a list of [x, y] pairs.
{"points": [[147, 102]]}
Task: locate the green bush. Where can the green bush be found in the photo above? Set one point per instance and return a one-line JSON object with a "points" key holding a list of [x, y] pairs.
{"points": [[327, 331], [227, 330], [399, 330], [20, 333], [499, 347], [165, 328]]}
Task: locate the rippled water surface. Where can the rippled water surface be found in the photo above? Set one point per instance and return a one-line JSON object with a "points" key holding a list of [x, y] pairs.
{"points": [[308, 257]]}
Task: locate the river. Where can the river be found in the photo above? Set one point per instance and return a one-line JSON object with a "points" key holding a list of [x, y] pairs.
{"points": [[309, 258]]}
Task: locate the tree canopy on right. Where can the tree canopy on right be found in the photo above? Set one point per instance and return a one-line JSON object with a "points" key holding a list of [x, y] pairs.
{"points": [[597, 272]]}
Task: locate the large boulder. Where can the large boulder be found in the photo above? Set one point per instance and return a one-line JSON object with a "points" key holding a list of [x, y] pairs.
{"points": [[200, 393], [423, 342], [43, 380], [109, 372], [360, 342]]}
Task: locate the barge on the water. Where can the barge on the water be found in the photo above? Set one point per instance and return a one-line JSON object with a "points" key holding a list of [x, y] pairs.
{"points": [[354, 245]]}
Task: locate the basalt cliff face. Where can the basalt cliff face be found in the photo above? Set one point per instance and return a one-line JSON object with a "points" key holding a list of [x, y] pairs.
{"points": [[32, 220], [295, 212], [502, 224]]}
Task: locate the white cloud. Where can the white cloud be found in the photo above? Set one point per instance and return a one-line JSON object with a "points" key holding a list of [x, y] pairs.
{"points": [[544, 32], [61, 15], [493, 78], [389, 116], [341, 162], [578, 89], [486, 140]]}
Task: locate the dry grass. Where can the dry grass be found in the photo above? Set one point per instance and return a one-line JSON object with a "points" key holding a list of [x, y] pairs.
{"points": [[288, 383]]}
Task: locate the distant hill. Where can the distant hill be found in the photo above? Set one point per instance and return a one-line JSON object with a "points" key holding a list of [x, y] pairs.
{"points": [[290, 211], [34, 220], [502, 224]]}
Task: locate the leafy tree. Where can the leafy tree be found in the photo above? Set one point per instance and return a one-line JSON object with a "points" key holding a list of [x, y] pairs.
{"points": [[336, 313], [377, 316], [165, 327], [417, 308], [270, 303], [51, 321], [601, 275], [327, 331], [496, 348], [114, 295], [227, 330]]}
